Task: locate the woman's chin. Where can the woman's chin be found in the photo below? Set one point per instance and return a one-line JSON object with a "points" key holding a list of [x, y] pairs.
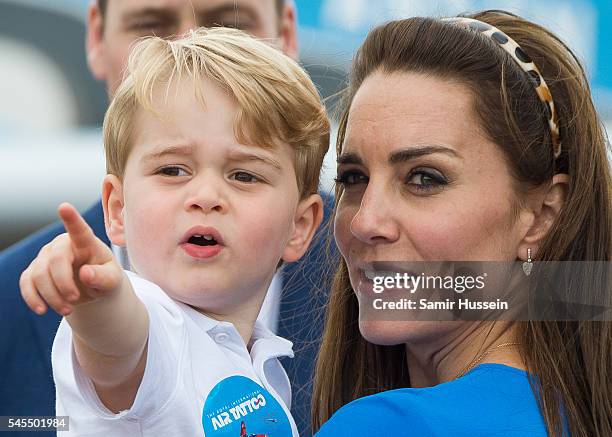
{"points": [[383, 332], [392, 332]]}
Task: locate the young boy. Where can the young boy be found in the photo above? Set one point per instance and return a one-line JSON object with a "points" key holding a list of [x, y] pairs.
{"points": [[214, 144]]}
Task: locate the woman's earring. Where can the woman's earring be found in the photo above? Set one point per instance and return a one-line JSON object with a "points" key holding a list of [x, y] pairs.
{"points": [[528, 265]]}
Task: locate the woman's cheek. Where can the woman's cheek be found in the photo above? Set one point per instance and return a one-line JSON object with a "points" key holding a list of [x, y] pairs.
{"points": [[342, 227], [463, 236]]}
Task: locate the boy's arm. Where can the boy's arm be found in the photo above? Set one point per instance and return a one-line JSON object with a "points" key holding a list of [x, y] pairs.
{"points": [[110, 337], [77, 275]]}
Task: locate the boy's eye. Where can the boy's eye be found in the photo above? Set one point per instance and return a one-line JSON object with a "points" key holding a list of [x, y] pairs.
{"points": [[172, 171], [351, 177], [242, 176]]}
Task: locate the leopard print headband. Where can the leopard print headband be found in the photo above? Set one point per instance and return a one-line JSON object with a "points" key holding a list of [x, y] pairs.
{"points": [[526, 64]]}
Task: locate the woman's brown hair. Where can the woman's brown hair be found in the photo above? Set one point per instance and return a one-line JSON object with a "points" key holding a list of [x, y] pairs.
{"points": [[569, 361]]}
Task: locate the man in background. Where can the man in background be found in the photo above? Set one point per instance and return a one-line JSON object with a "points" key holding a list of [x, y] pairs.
{"points": [[26, 384]]}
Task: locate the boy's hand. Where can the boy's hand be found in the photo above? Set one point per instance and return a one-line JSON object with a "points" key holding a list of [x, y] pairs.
{"points": [[74, 268]]}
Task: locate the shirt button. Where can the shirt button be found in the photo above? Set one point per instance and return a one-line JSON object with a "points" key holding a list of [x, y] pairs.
{"points": [[221, 337]]}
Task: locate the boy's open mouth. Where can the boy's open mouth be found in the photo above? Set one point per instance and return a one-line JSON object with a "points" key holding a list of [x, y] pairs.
{"points": [[202, 240]]}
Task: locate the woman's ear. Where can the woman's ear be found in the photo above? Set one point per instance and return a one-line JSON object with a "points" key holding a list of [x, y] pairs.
{"points": [[308, 217], [544, 213], [112, 203]]}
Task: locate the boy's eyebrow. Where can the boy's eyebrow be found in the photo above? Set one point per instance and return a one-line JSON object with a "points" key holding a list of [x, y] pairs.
{"points": [[243, 156], [180, 150]]}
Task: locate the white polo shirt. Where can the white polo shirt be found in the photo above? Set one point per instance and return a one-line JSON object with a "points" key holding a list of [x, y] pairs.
{"points": [[199, 379]]}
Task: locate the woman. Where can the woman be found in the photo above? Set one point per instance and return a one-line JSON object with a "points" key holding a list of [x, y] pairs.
{"points": [[454, 145]]}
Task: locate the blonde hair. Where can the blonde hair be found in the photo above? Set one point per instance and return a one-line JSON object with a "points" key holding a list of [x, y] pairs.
{"points": [[278, 103]]}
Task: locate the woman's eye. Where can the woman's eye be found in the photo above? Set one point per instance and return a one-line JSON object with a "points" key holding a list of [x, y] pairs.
{"points": [[172, 171], [425, 180], [242, 176], [351, 177]]}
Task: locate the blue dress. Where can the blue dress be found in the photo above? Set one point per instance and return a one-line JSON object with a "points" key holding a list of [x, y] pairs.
{"points": [[490, 400]]}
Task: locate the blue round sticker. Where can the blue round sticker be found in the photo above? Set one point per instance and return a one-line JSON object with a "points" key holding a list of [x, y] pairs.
{"points": [[239, 407]]}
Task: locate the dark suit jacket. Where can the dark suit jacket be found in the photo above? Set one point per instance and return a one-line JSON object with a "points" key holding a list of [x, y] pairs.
{"points": [[26, 381]]}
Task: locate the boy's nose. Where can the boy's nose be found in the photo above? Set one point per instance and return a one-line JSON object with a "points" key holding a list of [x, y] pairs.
{"points": [[207, 198]]}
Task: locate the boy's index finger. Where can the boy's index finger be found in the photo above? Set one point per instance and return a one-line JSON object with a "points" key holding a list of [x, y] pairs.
{"points": [[80, 233]]}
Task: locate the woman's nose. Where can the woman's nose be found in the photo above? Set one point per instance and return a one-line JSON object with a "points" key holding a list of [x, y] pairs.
{"points": [[206, 195], [374, 222]]}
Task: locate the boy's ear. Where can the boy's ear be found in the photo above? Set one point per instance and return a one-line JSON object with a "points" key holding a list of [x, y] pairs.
{"points": [[112, 203], [543, 214], [95, 44], [308, 217]]}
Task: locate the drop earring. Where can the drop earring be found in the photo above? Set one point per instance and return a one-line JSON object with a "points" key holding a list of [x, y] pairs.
{"points": [[528, 265]]}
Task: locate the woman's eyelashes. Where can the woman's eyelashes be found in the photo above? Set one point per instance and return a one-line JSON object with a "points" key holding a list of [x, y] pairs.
{"points": [[425, 180], [348, 178], [422, 180]]}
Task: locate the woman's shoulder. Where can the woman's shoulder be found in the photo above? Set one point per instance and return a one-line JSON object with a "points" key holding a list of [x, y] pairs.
{"points": [[490, 397]]}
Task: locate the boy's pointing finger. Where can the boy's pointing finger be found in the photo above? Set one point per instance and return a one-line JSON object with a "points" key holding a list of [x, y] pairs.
{"points": [[80, 233]]}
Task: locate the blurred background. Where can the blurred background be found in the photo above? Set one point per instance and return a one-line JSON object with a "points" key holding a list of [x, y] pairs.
{"points": [[51, 109]]}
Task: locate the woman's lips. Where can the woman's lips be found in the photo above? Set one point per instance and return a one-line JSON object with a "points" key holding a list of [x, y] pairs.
{"points": [[374, 282], [364, 284]]}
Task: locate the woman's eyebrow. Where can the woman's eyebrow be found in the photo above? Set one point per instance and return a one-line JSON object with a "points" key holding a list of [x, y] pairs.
{"points": [[402, 155], [349, 158], [407, 154]]}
